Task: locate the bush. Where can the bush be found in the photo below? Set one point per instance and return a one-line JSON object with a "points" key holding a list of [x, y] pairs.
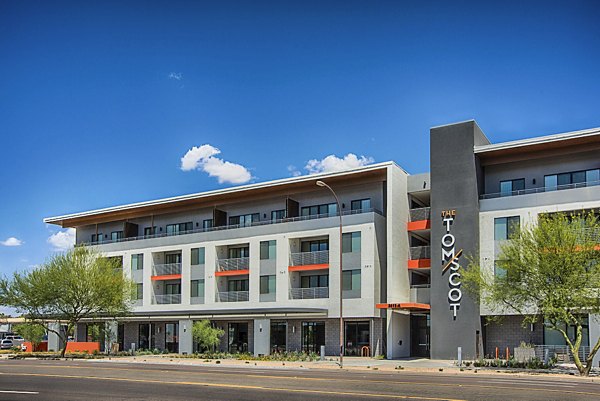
{"points": [[292, 356]]}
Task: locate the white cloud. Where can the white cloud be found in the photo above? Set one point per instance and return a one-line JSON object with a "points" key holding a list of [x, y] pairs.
{"points": [[12, 241], [333, 163], [176, 76], [62, 240], [203, 158], [294, 171]]}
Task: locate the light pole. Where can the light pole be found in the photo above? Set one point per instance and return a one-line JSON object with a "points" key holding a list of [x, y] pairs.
{"points": [[339, 208]]}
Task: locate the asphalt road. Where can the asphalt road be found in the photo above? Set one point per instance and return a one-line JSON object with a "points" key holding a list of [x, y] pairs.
{"points": [[89, 380]]}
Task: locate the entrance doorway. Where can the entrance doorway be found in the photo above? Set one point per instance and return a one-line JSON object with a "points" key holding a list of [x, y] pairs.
{"points": [[419, 335], [238, 337], [172, 337], [357, 336], [313, 336], [278, 337]]}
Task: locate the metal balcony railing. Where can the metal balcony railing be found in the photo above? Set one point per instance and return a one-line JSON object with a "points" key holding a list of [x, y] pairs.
{"points": [[590, 234], [423, 213], [196, 300], [166, 299], [420, 252], [309, 258], [233, 264], [231, 296], [309, 293], [561, 352], [420, 293], [166, 269], [539, 190], [234, 226]]}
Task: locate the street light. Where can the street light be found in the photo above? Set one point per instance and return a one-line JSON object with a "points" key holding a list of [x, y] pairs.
{"points": [[339, 208]]}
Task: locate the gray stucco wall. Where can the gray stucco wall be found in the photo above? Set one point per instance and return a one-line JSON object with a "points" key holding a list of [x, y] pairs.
{"points": [[509, 332]]}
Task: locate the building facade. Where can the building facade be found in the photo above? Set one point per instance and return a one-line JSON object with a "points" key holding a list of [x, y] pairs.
{"points": [[261, 261]]}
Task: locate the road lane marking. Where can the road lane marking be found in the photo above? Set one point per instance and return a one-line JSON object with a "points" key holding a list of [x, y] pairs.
{"points": [[528, 383], [18, 392], [239, 386]]}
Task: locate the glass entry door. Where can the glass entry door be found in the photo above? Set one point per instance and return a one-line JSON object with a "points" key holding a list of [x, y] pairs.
{"points": [[278, 336], [357, 336], [172, 337], [238, 337], [313, 336], [419, 335]]}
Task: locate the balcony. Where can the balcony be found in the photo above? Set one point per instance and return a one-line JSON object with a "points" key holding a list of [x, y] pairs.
{"points": [[539, 190], [420, 219], [166, 299], [234, 226], [420, 294], [420, 252], [309, 260], [166, 271], [233, 266], [231, 296], [309, 293]]}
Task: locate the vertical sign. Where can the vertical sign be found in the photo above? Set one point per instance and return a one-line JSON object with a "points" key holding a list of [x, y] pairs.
{"points": [[450, 261]]}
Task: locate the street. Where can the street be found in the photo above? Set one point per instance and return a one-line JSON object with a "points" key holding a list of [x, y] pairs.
{"points": [[91, 380]]}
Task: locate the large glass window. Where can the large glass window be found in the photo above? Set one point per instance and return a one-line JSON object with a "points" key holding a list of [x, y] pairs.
{"points": [[238, 337], [553, 337], [575, 179], [267, 284], [207, 224], [592, 176], [509, 186], [278, 337], [268, 249], [97, 237], [137, 261], [238, 285], [313, 336], [244, 220], [361, 204], [351, 280], [179, 228], [198, 256], [149, 230], [172, 258], [351, 242], [116, 235], [242, 252], [139, 291], [144, 339], [172, 337], [278, 214], [357, 337], [324, 209], [314, 246], [197, 288], [314, 281], [93, 332], [173, 289], [506, 227]]}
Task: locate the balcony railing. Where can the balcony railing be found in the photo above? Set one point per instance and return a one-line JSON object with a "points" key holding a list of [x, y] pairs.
{"points": [[561, 352], [309, 293], [166, 299], [420, 294], [590, 234], [234, 226], [224, 265], [166, 269], [420, 252], [196, 300], [539, 190], [309, 258], [231, 296], [423, 213]]}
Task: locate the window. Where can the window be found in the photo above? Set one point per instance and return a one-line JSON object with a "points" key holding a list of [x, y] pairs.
{"points": [[508, 187], [116, 235], [235, 253], [207, 224], [506, 227], [314, 246], [97, 237], [316, 210], [571, 179], [315, 281], [313, 336], [149, 230], [351, 280], [198, 256], [268, 250], [237, 285], [361, 204], [197, 288], [278, 214], [139, 291], [179, 228], [173, 289], [267, 284], [499, 271], [553, 337], [244, 220], [351, 242], [137, 261], [172, 258]]}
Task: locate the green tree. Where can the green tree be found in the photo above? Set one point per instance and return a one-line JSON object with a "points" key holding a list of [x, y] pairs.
{"points": [[205, 335], [548, 271], [31, 332], [79, 284]]}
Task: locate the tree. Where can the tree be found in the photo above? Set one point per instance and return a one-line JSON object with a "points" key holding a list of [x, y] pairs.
{"points": [[548, 271], [34, 333], [79, 284], [205, 335]]}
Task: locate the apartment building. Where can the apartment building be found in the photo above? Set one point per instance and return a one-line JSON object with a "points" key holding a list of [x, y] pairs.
{"points": [[261, 261]]}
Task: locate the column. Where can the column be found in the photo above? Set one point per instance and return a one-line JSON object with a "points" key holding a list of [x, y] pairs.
{"points": [[186, 343], [262, 337], [111, 330], [54, 342]]}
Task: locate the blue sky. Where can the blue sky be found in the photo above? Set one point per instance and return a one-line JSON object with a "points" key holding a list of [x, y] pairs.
{"points": [[99, 101]]}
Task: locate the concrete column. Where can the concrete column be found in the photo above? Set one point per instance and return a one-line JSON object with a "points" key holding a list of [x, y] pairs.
{"points": [[262, 337], [282, 279], [398, 335], [594, 334], [254, 276], [210, 284], [111, 330], [147, 279], [186, 343], [54, 343], [186, 256]]}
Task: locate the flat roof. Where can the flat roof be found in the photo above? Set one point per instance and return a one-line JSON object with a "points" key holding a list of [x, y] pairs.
{"points": [[216, 196]]}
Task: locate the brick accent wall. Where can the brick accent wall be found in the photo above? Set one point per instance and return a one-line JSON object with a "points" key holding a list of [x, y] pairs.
{"points": [[509, 332]]}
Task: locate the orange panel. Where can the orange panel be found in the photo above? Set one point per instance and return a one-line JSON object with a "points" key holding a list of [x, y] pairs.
{"points": [[419, 264], [418, 225], [167, 277], [42, 347], [308, 267], [233, 273], [83, 347], [404, 305]]}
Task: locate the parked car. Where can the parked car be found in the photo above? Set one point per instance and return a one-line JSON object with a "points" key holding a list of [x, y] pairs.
{"points": [[6, 344], [17, 340]]}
